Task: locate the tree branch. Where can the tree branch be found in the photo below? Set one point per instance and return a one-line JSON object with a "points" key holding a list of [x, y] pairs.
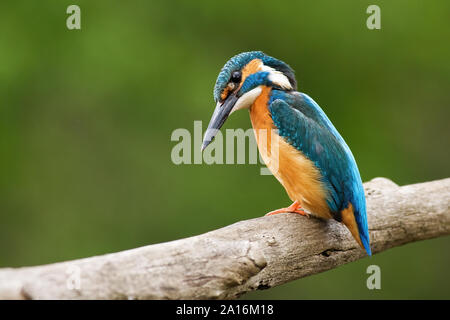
{"points": [[248, 255]]}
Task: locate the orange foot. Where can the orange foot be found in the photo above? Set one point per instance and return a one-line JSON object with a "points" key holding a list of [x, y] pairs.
{"points": [[294, 208]]}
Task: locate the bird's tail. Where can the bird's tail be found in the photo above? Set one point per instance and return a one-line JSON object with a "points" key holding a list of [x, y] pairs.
{"points": [[360, 233]]}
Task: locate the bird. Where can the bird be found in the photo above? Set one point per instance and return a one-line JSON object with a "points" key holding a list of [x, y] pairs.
{"points": [[312, 161]]}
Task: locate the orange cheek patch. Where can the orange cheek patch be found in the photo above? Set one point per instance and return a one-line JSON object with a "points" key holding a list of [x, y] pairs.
{"points": [[251, 68], [225, 93]]}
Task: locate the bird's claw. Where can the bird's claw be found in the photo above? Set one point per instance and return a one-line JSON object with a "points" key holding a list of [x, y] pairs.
{"points": [[293, 208]]}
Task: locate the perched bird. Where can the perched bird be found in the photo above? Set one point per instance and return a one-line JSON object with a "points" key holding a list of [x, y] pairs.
{"points": [[312, 160]]}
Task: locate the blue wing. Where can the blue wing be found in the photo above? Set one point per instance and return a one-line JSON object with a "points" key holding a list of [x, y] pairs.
{"points": [[304, 125]]}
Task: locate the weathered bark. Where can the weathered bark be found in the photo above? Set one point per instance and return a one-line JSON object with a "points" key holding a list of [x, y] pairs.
{"points": [[248, 255]]}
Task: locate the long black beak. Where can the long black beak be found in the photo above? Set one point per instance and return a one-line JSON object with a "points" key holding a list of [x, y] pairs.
{"points": [[218, 118]]}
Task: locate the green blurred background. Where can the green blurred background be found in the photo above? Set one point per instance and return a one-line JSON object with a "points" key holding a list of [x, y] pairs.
{"points": [[86, 118]]}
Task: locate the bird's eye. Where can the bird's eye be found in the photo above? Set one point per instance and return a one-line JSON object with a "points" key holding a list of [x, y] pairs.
{"points": [[236, 77]]}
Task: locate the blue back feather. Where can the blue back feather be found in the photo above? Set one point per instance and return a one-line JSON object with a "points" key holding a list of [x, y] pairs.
{"points": [[304, 124]]}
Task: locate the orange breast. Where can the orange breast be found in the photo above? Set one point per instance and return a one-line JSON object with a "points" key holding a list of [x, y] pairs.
{"points": [[294, 171]]}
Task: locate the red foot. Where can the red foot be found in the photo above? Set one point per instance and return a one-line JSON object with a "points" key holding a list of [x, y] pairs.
{"points": [[294, 208]]}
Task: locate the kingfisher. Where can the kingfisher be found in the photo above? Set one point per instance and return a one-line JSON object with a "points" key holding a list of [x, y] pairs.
{"points": [[311, 159]]}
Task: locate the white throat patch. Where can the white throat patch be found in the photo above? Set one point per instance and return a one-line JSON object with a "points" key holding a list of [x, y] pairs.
{"points": [[247, 99]]}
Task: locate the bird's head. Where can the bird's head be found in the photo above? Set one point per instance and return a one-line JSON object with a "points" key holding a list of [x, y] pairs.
{"points": [[241, 81]]}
